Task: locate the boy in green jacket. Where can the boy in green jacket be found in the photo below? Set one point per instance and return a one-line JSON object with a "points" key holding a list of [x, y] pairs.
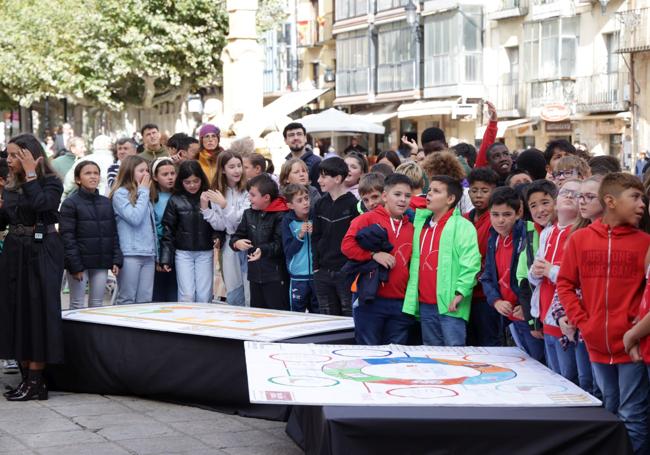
{"points": [[444, 265]]}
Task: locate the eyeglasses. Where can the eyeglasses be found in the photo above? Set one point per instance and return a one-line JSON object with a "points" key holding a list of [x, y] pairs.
{"points": [[586, 197], [570, 194], [565, 174]]}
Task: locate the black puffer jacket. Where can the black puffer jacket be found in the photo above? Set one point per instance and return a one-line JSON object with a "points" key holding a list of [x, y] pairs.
{"points": [[264, 229], [184, 227], [87, 225]]}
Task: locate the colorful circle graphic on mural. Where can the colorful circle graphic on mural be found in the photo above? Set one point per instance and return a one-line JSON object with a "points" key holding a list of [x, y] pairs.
{"points": [[417, 371]]}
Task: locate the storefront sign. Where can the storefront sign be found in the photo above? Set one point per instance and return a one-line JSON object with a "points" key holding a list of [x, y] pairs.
{"points": [[558, 127], [555, 112]]}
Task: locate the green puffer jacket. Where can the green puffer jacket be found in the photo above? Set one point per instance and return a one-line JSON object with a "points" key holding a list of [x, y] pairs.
{"points": [[459, 262]]}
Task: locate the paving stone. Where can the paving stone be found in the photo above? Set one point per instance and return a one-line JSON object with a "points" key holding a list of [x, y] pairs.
{"points": [[62, 399], [92, 409], [164, 445], [60, 438], [182, 414], [27, 413], [222, 440], [104, 448], [8, 443], [193, 427], [106, 420], [17, 427], [135, 431]]}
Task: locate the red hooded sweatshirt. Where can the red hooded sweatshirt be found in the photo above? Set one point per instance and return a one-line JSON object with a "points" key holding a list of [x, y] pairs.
{"points": [[418, 202], [644, 309], [400, 235], [607, 265], [553, 254], [482, 225], [279, 204]]}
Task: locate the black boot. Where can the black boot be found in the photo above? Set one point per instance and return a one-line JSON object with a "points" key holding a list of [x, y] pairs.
{"points": [[35, 388], [23, 382]]}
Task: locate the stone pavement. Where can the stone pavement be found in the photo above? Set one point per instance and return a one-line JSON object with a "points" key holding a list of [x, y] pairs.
{"points": [[79, 424]]}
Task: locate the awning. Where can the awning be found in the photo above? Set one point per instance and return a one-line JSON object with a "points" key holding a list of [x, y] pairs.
{"points": [[426, 108], [291, 102], [274, 116], [334, 121], [378, 114], [503, 126], [614, 115]]}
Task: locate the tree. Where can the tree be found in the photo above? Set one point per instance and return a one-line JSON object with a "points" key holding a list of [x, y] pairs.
{"points": [[112, 53]]}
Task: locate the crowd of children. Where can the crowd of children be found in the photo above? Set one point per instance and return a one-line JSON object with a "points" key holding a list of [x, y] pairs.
{"points": [[548, 251]]}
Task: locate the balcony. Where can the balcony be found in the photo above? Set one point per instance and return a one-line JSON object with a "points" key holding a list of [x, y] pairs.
{"points": [[635, 30], [555, 91], [507, 100], [351, 82], [509, 9], [396, 77], [545, 9], [605, 92], [454, 74]]}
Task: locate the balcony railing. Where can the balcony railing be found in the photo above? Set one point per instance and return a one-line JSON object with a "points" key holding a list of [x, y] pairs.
{"points": [[507, 97], [396, 77], [550, 92], [635, 30], [603, 92], [510, 8]]}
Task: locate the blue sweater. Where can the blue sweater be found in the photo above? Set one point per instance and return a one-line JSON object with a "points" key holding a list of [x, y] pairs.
{"points": [[296, 251], [136, 225]]}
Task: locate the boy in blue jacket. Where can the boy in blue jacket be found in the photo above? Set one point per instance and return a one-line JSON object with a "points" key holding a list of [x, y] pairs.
{"points": [[510, 250], [296, 242]]}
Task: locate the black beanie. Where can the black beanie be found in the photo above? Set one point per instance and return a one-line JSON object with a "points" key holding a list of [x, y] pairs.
{"points": [[533, 162], [433, 134]]}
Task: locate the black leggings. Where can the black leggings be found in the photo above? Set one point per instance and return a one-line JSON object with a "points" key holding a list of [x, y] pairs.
{"points": [[273, 295]]}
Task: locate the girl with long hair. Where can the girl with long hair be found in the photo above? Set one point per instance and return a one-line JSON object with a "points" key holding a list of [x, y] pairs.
{"points": [[295, 171], [136, 227], [223, 206], [188, 240], [163, 178], [90, 238]]}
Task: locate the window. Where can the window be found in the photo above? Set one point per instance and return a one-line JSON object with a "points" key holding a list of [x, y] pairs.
{"points": [[383, 5], [352, 63], [452, 57], [275, 62], [350, 8], [611, 44], [550, 48], [396, 58]]}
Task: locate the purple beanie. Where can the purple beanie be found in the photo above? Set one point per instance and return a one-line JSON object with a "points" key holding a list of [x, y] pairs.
{"points": [[209, 128]]}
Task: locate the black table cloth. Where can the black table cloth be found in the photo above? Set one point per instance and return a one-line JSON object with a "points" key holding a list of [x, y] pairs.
{"points": [[339, 430], [188, 369]]}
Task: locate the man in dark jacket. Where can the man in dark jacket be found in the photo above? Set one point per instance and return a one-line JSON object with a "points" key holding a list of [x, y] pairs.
{"points": [[260, 234], [295, 136]]}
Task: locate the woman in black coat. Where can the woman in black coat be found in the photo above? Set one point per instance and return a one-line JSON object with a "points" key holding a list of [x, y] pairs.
{"points": [[90, 238], [31, 267]]}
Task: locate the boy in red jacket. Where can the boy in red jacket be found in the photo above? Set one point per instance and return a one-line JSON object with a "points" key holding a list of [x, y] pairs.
{"points": [[605, 262], [485, 327], [382, 321]]}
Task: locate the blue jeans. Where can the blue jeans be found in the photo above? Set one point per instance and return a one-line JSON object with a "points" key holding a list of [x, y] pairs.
{"points": [[302, 295], [135, 280], [194, 270], [534, 347], [561, 361], [237, 291], [485, 327], [440, 329], [625, 393], [381, 322], [585, 371]]}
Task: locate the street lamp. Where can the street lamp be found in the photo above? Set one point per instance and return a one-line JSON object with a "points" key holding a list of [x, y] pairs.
{"points": [[413, 21], [603, 6], [411, 13]]}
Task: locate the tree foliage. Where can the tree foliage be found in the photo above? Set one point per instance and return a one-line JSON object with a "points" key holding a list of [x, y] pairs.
{"points": [[112, 52]]}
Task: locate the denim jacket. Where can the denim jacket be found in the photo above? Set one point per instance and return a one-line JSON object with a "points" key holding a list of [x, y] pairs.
{"points": [[136, 224]]}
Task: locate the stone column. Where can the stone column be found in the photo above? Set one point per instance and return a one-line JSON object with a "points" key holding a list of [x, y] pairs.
{"points": [[243, 63]]}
